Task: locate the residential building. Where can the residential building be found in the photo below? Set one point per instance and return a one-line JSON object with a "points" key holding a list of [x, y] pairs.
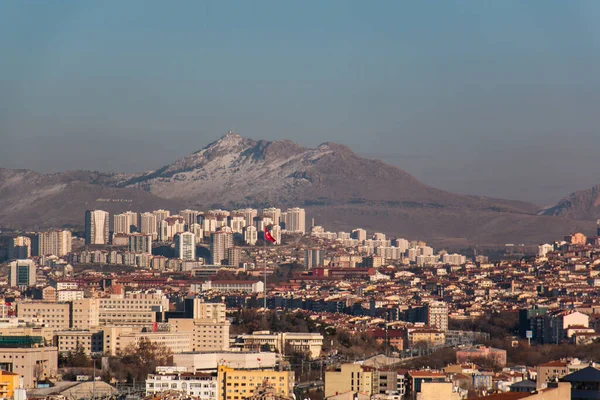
{"points": [[238, 384], [20, 248], [169, 227], [250, 235], [55, 242], [295, 220], [349, 378], [554, 370], [190, 217], [359, 234], [314, 258], [149, 225], [437, 315], [225, 286], [96, 227], [22, 273], [185, 246], [140, 243], [125, 223], [416, 381], [220, 242]]}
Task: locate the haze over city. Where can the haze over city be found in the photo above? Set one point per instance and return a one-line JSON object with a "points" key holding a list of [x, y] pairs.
{"points": [[487, 98]]}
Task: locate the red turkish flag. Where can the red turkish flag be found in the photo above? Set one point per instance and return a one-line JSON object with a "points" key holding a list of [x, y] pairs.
{"points": [[268, 236]]}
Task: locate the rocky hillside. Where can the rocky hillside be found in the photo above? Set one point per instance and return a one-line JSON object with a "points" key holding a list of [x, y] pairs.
{"points": [[582, 205]]}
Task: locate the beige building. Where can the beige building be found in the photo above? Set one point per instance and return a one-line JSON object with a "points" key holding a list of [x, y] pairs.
{"points": [[284, 343], [209, 361], [294, 220], [437, 391], [437, 315], [118, 338], [56, 242], [86, 314], [31, 363], [238, 384], [349, 378], [53, 315], [207, 335], [132, 309], [69, 341]]}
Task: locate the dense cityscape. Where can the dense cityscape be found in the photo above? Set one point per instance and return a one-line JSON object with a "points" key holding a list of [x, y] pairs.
{"points": [[265, 304]]}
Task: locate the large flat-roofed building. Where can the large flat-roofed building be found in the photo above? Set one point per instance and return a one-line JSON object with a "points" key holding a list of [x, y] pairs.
{"points": [[24, 355], [118, 338], [53, 315], [22, 273], [20, 248], [92, 342], [199, 385], [309, 343], [238, 384], [86, 314], [132, 309], [225, 286], [209, 361]]}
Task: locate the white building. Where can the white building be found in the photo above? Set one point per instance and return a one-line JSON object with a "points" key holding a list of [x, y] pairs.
{"points": [[185, 246], [96, 227], [199, 385], [359, 234], [454, 259], [544, 249], [284, 342], [209, 361], [250, 235], [234, 286], [125, 223], [22, 273], [148, 225], [295, 220]]}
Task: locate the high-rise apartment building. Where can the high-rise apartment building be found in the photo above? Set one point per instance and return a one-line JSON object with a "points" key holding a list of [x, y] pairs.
{"points": [[148, 225], [56, 243], [250, 235], [140, 243], [96, 227], [295, 220], [437, 315], [190, 217], [313, 258], [22, 273], [234, 256], [237, 222], [219, 243], [169, 227], [85, 314], [207, 324], [359, 234], [248, 213], [276, 233], [160, 215], [185, 246], [20, 248], [274, 214], [126, 222]]}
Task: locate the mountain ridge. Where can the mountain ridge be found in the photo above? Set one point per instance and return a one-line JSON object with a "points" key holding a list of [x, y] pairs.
{"points": [[332, 182]]}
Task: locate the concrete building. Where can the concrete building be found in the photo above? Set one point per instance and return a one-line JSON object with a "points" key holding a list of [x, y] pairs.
{"points": [[208, 361], [169, 227], [20, 248], [126, 222], [52, 315], [359, 234], [274, 214], [557, 323], [118, 339], [160, 215], [349, 378], [225, 286], [133, 309], [544, 249], [33, 364], [199, 386], [190, 217], [436, 314], [56, 242], [314, 258], [250, 235], [140, 243], [237, 223], [92, 342], [243, 383], [185, 246], [96, 227], [206, 334], [295, 220], [283, 342], [85, 314], [220, 242], [465, 356], [148, 225], [22, 273]]}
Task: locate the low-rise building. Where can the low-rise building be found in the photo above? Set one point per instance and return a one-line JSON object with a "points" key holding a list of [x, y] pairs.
{"points": [[284, 342]]}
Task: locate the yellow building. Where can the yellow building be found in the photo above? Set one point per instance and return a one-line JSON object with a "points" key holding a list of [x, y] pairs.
{"points": [[9, 381], [239, 384], [428, 337], [349, 378]]}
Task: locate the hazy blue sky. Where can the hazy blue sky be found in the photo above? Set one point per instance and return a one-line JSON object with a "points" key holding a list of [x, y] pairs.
{"points": [[498, 98]]}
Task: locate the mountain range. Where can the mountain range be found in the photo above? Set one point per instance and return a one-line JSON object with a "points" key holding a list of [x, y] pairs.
{"points": [[340, 189]]}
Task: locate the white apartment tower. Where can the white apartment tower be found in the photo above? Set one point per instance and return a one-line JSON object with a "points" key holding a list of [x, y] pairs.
{"points": [[96, 227], [57, 243], [237, 222], [190, 217], [250, 235], [185, 246], [160, 215], [359, 234], [219, 243], [295, 220], [274, 214], [148, 225], [126, 222], [140, 243], [437, 315]]}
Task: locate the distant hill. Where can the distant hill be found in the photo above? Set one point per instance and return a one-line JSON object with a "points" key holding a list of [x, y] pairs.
{"points": [[580, 205], [340, 189]]}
